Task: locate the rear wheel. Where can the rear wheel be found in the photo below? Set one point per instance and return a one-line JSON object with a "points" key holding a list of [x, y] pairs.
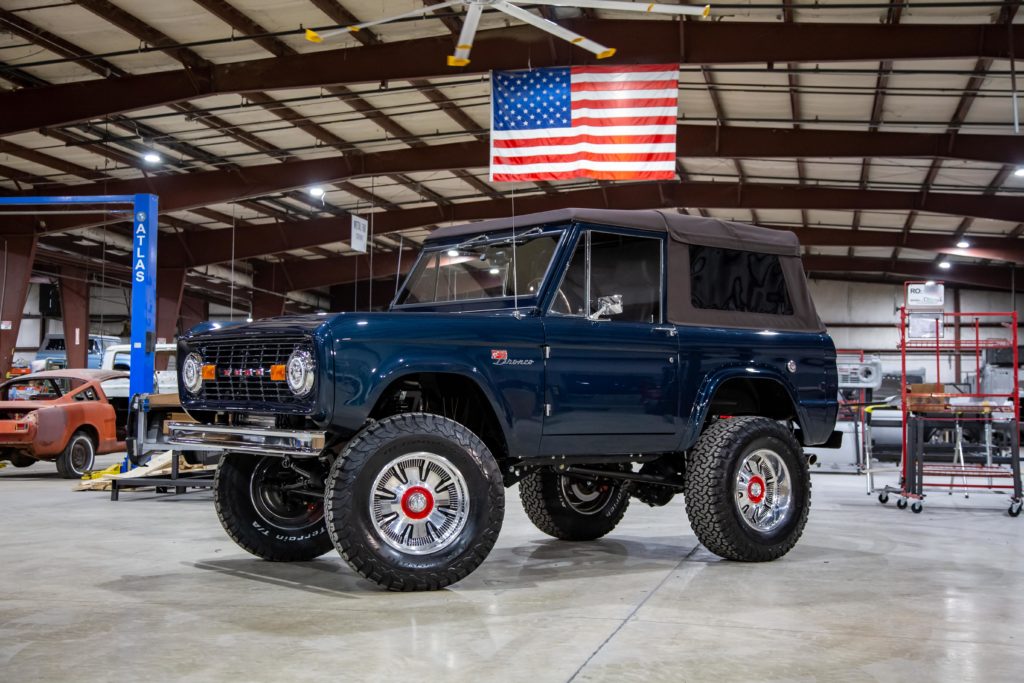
{"points": [[78, 456], [267, 509], [748, 489], [573, 508], [415, 502]]}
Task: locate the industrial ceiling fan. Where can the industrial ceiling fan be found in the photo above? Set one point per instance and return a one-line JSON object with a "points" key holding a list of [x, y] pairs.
{"points": [[474, 8]]}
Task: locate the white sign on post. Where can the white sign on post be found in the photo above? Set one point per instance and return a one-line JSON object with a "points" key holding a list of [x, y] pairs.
{"points": [[359, 233], [6, 324], [926, 295]]}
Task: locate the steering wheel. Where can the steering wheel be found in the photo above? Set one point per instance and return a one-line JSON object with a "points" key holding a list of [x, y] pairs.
{"points": [[560, 298]]}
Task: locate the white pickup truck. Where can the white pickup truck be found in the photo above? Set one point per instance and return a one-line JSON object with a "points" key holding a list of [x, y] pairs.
{"points": [[119, 357]]}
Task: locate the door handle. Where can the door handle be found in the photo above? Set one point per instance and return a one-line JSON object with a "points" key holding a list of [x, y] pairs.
{"points": [[669, 330]]}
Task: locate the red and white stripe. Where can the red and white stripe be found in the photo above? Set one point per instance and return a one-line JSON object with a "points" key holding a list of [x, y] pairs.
{"points": [[623, 128]]}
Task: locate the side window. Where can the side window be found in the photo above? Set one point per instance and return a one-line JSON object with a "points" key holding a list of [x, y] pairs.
{"points": [[89, 394], [731, 280], [624, 271]]}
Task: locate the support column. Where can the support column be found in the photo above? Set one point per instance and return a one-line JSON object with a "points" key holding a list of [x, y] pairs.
{"points": [[74, 307], [266, 304], [170, 287], [144, 239], [17, 253]]}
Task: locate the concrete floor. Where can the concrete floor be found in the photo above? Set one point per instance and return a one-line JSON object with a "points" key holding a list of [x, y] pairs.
{"points": [[151, 588]]}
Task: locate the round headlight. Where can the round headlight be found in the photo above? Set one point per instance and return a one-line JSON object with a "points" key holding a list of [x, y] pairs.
{"points": [[300, 372], [192, 373]]}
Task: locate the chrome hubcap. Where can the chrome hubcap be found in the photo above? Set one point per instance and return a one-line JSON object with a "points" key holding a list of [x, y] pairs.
{"points": [[420, 503], [763, 490]]}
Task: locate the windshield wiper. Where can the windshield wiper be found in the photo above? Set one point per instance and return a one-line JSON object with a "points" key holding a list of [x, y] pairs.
{"points": [[482, 241]]}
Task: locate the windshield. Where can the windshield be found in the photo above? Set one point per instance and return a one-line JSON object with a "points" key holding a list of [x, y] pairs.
{"points": [[482, 268]]}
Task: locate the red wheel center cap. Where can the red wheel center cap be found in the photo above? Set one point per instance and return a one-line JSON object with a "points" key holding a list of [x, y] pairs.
{"points": [[755, 490], [417, 503]]}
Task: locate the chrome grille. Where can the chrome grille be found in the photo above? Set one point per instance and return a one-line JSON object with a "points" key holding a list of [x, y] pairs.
{"points": [[251, 357]]}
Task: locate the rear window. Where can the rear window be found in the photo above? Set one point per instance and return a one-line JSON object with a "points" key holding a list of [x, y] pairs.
{"points": [[55, 344], [731, 280], [39, 389]]}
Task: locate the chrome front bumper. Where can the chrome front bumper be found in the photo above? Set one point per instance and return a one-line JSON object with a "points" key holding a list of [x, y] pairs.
{"points": [[246, 439]]}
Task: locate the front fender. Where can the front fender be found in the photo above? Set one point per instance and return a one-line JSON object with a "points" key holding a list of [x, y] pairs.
{"points": [[364, 372], [706, 394]]}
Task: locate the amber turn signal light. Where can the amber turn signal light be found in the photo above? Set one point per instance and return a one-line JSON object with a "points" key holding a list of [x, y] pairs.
{"points": [[209, 372], [277, 373]]}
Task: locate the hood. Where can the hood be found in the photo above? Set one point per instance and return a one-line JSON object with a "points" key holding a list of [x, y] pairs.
{"points": [[287, 324]]}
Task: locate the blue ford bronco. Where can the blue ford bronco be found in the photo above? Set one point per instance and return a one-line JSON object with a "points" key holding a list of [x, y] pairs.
{"points": [[589, 356]]}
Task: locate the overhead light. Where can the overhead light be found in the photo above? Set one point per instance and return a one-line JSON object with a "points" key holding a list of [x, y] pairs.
{"points": [[963, 244], [316, 191], [945, 265], [1019, 172], [494, 271], [249, 319], [929, 283], [152, 158], [453, 253]]}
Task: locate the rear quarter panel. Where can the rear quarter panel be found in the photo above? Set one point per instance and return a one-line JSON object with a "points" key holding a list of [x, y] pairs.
{"points": [[711, 356]]}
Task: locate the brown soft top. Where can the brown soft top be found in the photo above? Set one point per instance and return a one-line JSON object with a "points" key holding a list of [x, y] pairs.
{"points": [[709, 232]]}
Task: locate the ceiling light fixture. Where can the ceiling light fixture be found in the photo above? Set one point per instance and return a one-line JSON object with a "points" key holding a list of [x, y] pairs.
{"points": [[945, 265], [152, 158], [316, 191], [452, 253], [1019, 172], [963, 244]]}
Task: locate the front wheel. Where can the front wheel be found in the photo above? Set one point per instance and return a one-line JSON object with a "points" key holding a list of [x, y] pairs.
{"points": [[415, 502], [267, 509], [747, 489]]}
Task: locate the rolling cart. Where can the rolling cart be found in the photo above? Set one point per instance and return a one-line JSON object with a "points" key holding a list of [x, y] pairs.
{"points": [[957, 436]]}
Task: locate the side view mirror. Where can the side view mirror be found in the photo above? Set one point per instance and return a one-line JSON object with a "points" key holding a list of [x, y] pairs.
{"points": [[607, 305]]}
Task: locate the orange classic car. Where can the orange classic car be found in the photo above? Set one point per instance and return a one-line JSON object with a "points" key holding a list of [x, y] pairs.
{"points": [[69, 416]]}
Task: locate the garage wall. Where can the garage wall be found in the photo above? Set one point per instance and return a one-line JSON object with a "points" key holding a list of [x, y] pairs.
{"points": [[108, 302], [865, 316]]}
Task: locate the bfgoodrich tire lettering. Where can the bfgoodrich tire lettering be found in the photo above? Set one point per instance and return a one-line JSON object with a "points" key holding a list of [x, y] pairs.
{"points": [[711, 489], [262, 521], [474, 498], [570, 508]]}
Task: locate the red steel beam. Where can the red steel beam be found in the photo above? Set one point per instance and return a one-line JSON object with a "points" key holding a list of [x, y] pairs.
{"points": [[74, 305], [187, 191], [960, 273], [509, 48], [207, 248], [347, 269], [19, 255]]}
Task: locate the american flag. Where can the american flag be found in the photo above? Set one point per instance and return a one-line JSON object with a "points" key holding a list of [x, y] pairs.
{"points": [[603, 122]]}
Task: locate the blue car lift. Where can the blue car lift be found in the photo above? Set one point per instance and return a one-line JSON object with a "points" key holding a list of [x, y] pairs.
{"points": [[144, 237]]}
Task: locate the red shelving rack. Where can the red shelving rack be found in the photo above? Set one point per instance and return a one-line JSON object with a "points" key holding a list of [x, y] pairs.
{"points": [[933, 408]]}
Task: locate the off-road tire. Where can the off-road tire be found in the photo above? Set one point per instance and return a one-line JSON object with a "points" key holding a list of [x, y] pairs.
{"points": [[709, 489], [349, 488], [78, 457], [254, 531], [548, 507]]}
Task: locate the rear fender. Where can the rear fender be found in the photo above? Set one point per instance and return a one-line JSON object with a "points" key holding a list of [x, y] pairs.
{"points": [[708, 390]]}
